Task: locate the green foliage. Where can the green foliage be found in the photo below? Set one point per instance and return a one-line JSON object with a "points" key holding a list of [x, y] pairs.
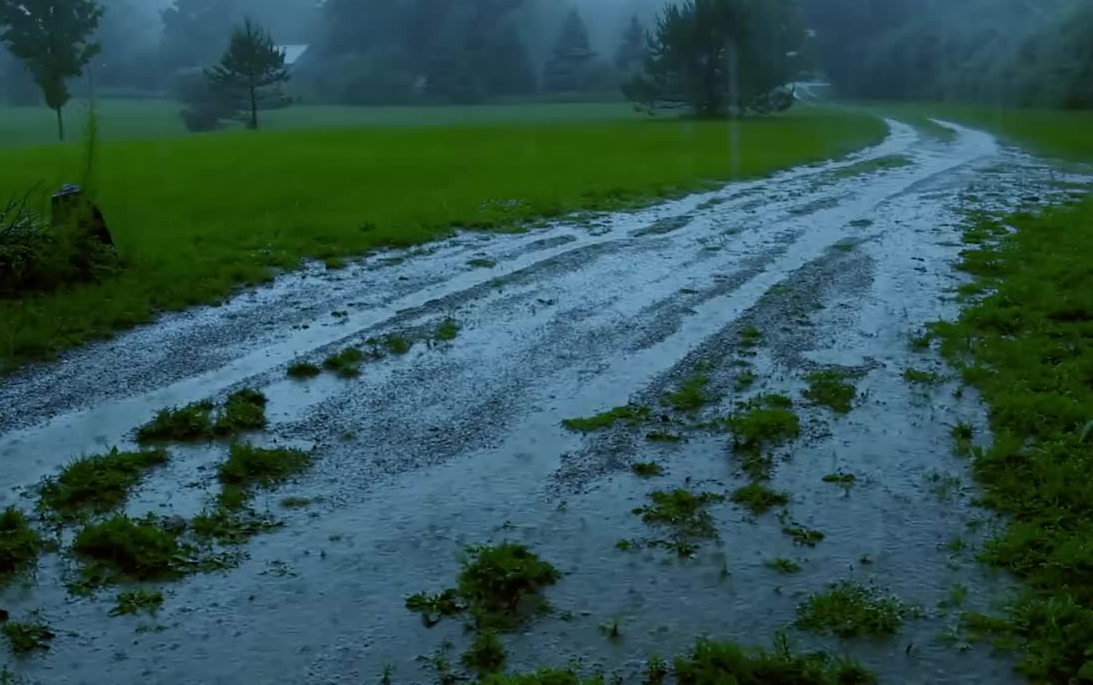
{"points": [[447, 330], [137, 601], [434, 607], [250, 72], [307, 204], [718, 663], [543, 676], [763, 422], [301, 370], [398, 344], [122, 548], [485, 655], [249, 466], [630, 413], [179, 424], [682, 512], [718, 56], [346, 363], [27, 637], [921, 377], [758, 498], [691, 395], [52, 41], [19, 544], [567, 68], [783, 565], [849, 609], [647, 469], [245, 410], [96, 484], [1027, 348], [830, 389], [847, 480], [804, 536]]}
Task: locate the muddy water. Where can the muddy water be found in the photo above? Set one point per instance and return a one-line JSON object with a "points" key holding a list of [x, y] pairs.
{"points": [[460, 443]]}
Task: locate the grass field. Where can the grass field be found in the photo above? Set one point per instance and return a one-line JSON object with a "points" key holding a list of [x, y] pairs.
{"points": [[197, 216]]}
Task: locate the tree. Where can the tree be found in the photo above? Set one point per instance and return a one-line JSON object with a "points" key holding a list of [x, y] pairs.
{"points": [[51, 37], [631, 50], [568, 64], [251, 71], [721, 56]]}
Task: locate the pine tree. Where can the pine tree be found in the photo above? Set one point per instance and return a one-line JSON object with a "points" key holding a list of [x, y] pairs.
{"points": [[568, 64], [507, 64], [51, 38], [631, 52], [250, 72]]}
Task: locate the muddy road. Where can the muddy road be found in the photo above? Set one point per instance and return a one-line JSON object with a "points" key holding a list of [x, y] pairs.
{"points": [[461, 442]]}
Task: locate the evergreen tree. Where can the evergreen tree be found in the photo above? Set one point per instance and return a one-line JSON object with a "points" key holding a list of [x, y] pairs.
{"points": [[507, 64], [52, 39], [251, 72], [631, 52], [721, 56], [567, 68]]}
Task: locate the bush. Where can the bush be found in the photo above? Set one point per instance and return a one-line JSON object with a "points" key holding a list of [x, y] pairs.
{"points": [[201, 118], [204, 109]]}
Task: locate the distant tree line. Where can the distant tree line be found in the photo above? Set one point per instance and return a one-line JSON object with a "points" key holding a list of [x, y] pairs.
{"points": [[1028, 53]]}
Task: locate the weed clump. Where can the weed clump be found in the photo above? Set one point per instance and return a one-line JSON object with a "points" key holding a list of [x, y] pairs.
{"points": [[750, 337], [137, 601], [447, 330], [783, 565], [20, 545], [544, 676], [249, 466], [398, 344], [345, 364], [245, 410], [920, 377], [849, 609], [498, 585], [691, 394], [301, 370], [122, 548], [804, 536], [758, 498], [724, 662], [630, 413], [96, 484], [684, 514], [846, 480], [763, 422], [179, 424], [830, 389], [662, 436], [648, 469], [25, 638], [486, 655]]}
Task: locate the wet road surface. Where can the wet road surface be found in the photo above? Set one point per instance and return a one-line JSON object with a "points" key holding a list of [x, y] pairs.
{"points": [[461, 442]]}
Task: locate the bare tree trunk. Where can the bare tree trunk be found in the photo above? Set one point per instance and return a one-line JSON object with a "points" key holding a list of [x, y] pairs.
{"points": [[60, 124], [253, 106]]}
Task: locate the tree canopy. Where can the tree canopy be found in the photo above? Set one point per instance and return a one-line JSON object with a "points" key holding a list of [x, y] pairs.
{"points": [[251, 72]]}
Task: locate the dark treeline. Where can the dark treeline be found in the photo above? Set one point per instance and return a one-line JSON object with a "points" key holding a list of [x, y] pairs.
{"points": [[1026, 53]]}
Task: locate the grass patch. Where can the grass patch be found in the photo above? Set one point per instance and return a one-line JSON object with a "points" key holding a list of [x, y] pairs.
{"points": [[630, 413], [398, 344], [750, 337], [485, 655], [848, 609], [830, 389], [919, 377], [122, 548], [96, 484], [722, 663], [447, 330], [691, 395], [846, 480], [647, 469], [179, 424], [245, 410], [20, 545], [663, 436], [763, 422], [25, 638], [805, 537], [498, 585], [963, 433], [248, 466], [684, 514], [346, 363], [230, 522], [482, 263], [230, 226], [921, 341], [137, 601], [1028, 347], [745, 380], [758, 498], [296, 502], [783, 565], [303, 370], [870, 166]]}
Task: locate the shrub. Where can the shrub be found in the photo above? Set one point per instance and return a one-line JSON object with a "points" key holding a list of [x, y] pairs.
{"points": [[201, 118]]}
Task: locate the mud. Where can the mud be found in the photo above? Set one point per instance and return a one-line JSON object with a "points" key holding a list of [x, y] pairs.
{"points": [[460, 442]]}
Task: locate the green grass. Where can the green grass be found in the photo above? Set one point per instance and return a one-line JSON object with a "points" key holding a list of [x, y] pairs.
{"points": [[138, 601], [830, 389], [302, 370], [485, 655], [758, 498], [346, 363], [25, 638], [630, 413], [245, 410], [846, 480], [647, 469], [398, 344], [20, 545], [849, 609], [447, 330], [869, 166], [193, 223], [684, 514], [805, 537], [179, 424], [920, 377], [1028, 348], [691, 394], [763, 422], [96, 484], [723, 663], [122, 548], [783, 565], [248, 466]]}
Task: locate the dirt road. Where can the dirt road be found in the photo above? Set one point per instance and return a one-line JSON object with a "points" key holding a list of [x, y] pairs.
{"points": [[461, 442]]}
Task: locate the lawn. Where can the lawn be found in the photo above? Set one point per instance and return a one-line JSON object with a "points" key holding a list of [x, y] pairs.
{"points": [[197, 216]]}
